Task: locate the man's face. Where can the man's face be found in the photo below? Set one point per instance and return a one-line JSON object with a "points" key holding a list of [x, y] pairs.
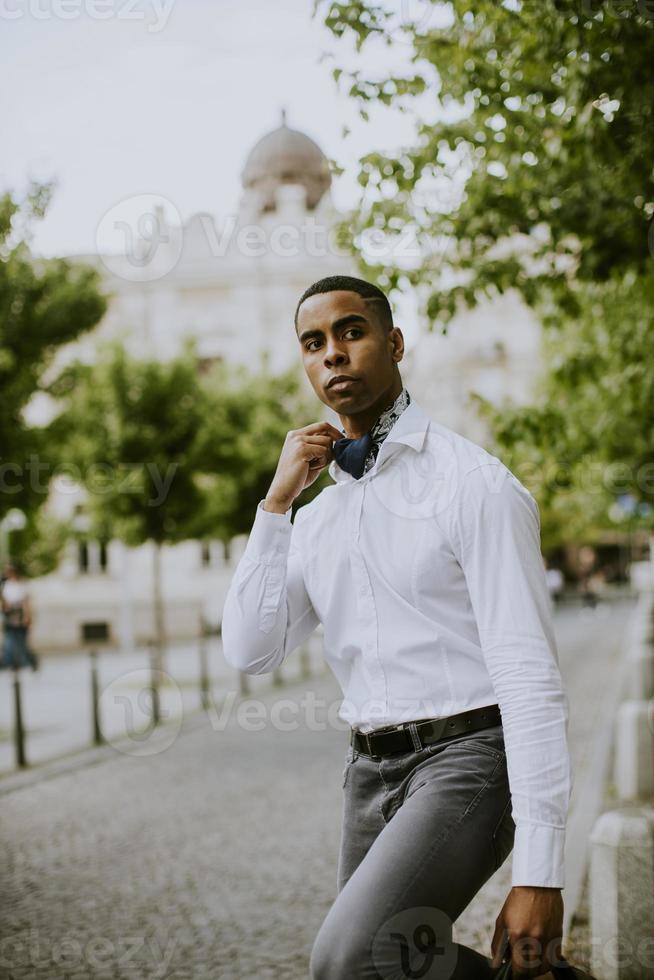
{"points": [[339, 333]]}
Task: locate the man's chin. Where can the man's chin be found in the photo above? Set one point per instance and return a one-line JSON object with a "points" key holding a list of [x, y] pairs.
{"points": [[344, 404]]}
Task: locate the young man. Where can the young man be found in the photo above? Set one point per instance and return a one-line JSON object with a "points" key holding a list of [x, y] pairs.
{"points": [[423, 563]]}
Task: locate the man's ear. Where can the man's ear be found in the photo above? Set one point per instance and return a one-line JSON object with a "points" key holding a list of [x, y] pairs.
{"points": [[398, 343]]}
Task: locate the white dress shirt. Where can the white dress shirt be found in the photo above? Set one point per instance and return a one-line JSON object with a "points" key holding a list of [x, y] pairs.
{"points": [[427, 576]]}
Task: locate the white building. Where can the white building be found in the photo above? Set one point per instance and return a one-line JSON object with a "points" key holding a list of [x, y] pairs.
{"points": [[234, 288]]}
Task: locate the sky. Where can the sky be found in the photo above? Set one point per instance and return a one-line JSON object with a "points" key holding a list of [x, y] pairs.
{"points": [[120, 98]]}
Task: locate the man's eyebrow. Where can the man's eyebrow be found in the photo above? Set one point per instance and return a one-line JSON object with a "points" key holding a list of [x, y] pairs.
{"points": [[336, 325]]}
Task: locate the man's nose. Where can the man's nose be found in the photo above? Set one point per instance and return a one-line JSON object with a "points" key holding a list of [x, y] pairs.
{"points": [[334, 354]]}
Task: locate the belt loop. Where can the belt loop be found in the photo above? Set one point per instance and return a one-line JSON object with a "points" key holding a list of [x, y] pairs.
{"points": [[412, 728]]}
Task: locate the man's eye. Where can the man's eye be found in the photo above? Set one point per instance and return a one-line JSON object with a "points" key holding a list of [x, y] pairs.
{"points": [[355, 330]]}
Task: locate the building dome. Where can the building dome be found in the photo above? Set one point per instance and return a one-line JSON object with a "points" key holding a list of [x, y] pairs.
{"points": [[286, 156]]}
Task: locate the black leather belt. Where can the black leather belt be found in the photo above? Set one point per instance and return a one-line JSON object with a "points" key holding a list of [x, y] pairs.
{"points": [[397, 738]]}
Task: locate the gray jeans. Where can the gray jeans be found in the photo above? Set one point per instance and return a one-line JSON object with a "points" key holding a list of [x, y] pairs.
{"points": [[422, 831]]}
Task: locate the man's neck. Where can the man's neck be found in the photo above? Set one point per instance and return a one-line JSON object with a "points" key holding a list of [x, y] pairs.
{"points": [[358, 424]]}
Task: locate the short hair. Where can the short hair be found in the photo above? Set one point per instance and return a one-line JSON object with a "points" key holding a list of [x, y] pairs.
{"points": [[367, 290]]}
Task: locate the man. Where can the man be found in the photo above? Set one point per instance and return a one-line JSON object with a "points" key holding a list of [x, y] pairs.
{"points": [[423, 563]]}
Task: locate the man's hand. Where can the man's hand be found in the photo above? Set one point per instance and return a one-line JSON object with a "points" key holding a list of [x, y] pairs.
{"points": [[304, 454], [531, 921]]}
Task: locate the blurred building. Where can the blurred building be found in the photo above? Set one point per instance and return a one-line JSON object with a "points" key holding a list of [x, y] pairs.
{"points": [[234, 287]]}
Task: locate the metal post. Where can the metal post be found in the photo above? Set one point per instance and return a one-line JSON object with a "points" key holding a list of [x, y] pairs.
{"points": [[95, 698], [205, 682], [154, 682], [305, 663], [243, 684], [277, 677], [19, 731]]}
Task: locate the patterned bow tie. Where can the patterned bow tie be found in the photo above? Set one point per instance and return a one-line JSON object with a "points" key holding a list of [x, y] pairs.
{"points": [[350, 454]]}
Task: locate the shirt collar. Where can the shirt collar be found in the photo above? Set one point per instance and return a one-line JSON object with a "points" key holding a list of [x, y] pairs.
{"points": [[408, 430], [389, 416]]}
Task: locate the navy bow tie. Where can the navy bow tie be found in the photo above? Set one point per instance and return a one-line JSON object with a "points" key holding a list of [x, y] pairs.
{"points": [[350, 454]]}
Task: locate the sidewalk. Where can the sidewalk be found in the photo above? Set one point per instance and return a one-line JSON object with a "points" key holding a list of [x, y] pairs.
{"points": [[57, 710]]}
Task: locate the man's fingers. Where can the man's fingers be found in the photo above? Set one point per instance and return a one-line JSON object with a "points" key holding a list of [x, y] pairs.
{"points": [[318, 447], [321, 455], [326, 427], [527, 957], [499, 944], [312, 439]]}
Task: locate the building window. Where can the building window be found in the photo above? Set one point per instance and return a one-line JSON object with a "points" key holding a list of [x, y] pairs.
{"points": [[92, 556]]}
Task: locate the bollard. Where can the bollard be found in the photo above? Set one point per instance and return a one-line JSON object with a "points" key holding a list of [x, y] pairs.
{"points": [[154, 682], [19, 731], [205, 681], [640, 672], [621, 886], [305, 663], [634, 750], [95, 698], [243, 684], [641, 628]]}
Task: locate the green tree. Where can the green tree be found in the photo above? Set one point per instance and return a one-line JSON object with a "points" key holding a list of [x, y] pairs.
{"points": [[40, 544], [537, 177], [589, 435], [167, 455], [44, 304], [539, 171], [133, 430]]}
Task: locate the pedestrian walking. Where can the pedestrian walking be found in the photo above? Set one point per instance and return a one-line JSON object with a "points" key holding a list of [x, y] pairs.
{"points": [[555, 583], [422, 561], [17, 618]]}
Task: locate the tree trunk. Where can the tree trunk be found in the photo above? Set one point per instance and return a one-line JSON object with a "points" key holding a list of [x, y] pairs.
{"points": [[158, 606]]}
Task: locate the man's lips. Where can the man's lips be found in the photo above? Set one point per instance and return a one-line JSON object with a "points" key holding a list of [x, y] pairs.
{"points": [[340, 383]]}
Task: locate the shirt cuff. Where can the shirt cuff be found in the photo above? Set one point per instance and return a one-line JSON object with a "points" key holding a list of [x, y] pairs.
{"points": [[538, 856], [270, 535]]}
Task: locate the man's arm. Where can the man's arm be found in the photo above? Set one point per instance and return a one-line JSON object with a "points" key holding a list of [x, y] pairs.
{"points": [[267, 611], [497, 529]]}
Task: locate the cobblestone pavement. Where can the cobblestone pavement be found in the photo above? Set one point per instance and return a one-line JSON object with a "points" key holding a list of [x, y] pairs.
{"points": [[213, 858]]}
